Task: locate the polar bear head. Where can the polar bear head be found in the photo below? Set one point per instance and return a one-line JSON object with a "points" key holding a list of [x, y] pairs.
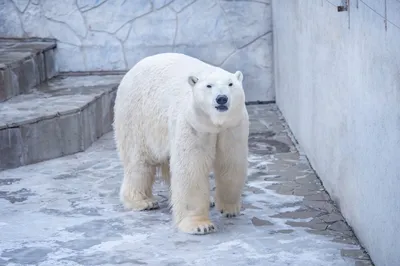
{"points": [[219, 95]]}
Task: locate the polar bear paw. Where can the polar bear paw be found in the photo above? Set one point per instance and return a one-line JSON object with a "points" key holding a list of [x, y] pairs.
{"points": [[229, 210], [197, 225], [212, 202], [141, 205]]}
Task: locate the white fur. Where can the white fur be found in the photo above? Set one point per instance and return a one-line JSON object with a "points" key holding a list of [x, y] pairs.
{"points": [[165, 117]]}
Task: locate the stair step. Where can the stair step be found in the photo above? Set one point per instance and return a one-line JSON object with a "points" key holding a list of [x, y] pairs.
{"points": [[60, 117], [24, 64]]}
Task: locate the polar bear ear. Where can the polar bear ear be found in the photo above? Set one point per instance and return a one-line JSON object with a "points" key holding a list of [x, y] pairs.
{"points": [[192, 80], [239, 75]]}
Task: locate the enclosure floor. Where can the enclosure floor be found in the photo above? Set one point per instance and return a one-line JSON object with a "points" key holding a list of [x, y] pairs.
{"points": [[66, 211]]}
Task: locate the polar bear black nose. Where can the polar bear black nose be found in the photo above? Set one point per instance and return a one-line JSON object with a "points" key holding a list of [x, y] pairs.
{"points": [[222, 99]]}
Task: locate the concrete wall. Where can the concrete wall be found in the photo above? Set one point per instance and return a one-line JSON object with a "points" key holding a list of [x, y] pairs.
{"points": [[337, 78], [115, 34]]}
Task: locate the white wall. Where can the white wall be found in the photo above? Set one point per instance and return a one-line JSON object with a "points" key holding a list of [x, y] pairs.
{"points": [[115, 34], [339, 89]]}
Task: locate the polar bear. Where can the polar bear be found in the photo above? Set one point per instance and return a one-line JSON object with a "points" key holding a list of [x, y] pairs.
{"points": [[179, 114]]}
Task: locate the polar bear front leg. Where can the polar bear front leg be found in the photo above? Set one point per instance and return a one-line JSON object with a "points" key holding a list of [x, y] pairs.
{"points": [[230, 169], [191, 161]]}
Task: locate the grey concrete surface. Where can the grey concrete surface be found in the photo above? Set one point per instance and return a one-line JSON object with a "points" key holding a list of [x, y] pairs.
{"points": [[95, 35], [62, 116], [337, 79], [66, 211], [24, 64]]}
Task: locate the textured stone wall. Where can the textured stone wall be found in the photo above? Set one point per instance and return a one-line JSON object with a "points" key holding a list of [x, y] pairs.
{"points": [[337, 80], [115, 34]]}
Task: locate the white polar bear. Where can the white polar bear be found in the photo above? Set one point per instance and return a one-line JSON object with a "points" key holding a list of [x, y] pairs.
{"points": [[187, 117]]}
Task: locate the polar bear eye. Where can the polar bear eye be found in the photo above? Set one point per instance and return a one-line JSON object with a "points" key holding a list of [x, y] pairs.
{"points": [[230, 84], [208, 86]]}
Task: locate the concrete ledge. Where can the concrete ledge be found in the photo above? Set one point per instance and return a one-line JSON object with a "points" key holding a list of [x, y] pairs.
{"points": [[24, 64], [61, 117]]}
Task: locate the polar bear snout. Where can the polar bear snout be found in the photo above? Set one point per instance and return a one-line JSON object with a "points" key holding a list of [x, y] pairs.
{"points": [[221, 101]]}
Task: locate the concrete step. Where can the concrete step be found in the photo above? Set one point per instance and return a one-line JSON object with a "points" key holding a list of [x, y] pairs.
{"points": [[24, 64], [62, 116]]}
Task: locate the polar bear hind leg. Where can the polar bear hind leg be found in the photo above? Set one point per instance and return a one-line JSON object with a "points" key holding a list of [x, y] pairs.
{"points": [[136, 189], [166, 172]]}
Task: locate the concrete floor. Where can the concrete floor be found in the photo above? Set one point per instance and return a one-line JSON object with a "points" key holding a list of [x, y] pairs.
{"points": [[66, 212]]}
